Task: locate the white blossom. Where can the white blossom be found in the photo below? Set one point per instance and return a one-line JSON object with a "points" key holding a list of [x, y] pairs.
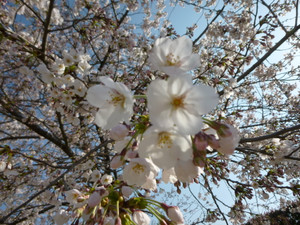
{"points": [[61, 217], [178, 104], [138, 171], [114, 101], [2, 166], [95, 175], [106, 179], [186, 171], [72, 196], [126, 191], [173, 56], [165, 147], [119, 132], [169, 176], [94, 199]]}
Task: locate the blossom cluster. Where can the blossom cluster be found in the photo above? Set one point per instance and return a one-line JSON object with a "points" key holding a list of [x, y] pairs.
{"points": [[171, 138]]}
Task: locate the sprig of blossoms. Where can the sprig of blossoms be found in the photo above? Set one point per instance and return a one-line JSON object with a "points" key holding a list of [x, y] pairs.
{"points": [[171, 137]]}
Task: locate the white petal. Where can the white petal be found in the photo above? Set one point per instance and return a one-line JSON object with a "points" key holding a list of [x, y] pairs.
{"points": [[110, 116], [107, 82], [182, 46], [97, 95], [179, 85], [204, 98], [186, 122], [190, 62]]}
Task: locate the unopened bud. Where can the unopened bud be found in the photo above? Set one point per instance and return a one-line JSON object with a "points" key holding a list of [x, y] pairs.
{"points": [[116, 162], [213, 142], [174, 213], [200, 141], [119, 132], [118, 221], [127, 191]]}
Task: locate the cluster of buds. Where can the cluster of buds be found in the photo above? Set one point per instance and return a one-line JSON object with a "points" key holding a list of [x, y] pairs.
{"points": [[116, 204]]}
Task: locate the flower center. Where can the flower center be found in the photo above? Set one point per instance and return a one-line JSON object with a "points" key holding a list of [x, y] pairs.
{"points": [[178, 102], [164, 140], [117, 99], [172, 60], [138, 168]]}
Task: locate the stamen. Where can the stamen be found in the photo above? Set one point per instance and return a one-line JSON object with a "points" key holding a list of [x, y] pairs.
{"points": [[116, 98], [172, 61], [138, 168], [178, 102], [164, 140]]}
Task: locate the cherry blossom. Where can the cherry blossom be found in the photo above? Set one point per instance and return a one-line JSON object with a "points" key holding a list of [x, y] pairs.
{"points": [[178, 104], [65, 64], [72, 196], [119, 132], [186, 171], [114, 101], [165, 147], [173, 56], [138, 171], [61, 217], [106, 179]]}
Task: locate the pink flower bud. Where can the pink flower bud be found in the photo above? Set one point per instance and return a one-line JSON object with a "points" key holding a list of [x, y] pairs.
{"points": [[141, 218], [126, 191], [119, 132], [94, 199], [213, 142], [200, 141], [174, 213], [116, 162], [118, 221], [229, 143]]}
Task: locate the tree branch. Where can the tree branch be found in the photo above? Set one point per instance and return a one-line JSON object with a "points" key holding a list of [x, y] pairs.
{"points": [[46, 27], [274, 48], [268, 136], [203, 32], [17, 115]]}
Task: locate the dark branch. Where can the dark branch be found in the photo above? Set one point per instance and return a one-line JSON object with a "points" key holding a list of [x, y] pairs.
{"points": [[46, 27], [274, 48], [268, 136]]}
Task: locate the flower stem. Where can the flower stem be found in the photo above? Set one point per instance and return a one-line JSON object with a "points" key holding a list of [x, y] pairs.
{"points": [[139, 96]]}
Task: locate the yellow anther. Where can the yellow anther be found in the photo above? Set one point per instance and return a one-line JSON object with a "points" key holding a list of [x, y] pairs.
{"points": [[164, 140]]}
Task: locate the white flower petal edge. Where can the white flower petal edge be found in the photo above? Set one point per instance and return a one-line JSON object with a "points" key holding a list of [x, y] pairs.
{"points": [[174, 56], [178, 104], [114, 100]]}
